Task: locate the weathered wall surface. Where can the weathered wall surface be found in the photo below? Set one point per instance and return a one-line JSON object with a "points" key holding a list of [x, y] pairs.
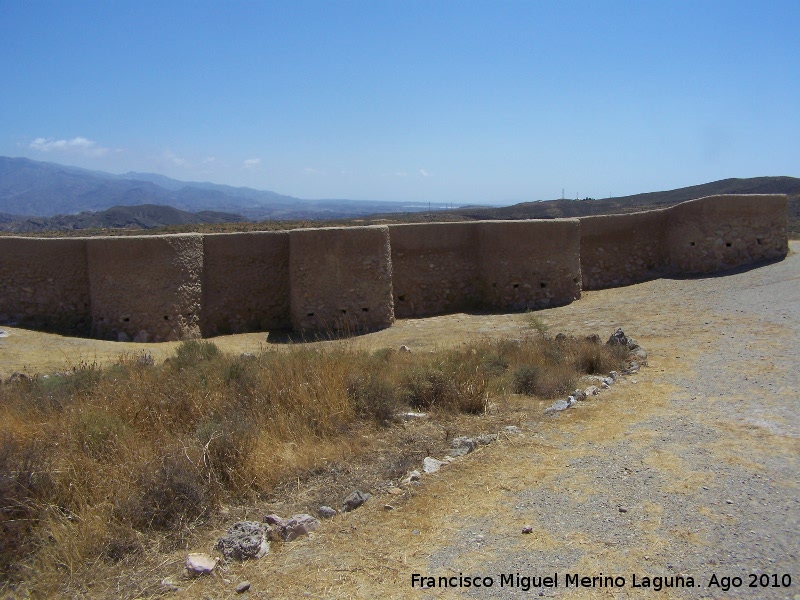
{"points": [[146, 287], [245, 282], [723, 232], [45, 284], [623, 249], [340, 279], [435, 268], [529, 264], [353, 279]]}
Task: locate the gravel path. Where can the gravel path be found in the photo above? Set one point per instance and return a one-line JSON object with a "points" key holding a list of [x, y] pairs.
{"points": [[700, 479]]}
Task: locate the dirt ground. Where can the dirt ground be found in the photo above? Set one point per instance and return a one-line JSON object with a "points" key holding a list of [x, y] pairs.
{"points": [[687, 471]]}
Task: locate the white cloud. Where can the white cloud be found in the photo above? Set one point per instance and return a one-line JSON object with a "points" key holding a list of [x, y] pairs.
{"points": [[313, 171], [77, 145], [176, 160], [424, 173], [251, 164]]}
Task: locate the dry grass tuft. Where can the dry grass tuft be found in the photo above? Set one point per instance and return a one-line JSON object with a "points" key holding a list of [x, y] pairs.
{"points": [[98, 464]]}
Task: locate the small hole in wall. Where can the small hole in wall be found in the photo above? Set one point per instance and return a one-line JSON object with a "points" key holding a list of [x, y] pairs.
{"points": [[344, 311], [691, 243], [516, 286], [494, 285], [365, 309], [575, 280], [543, 284], [166, 317], [728, 244], [309, 314], [126, 319], [402, 297], [759, 241]]}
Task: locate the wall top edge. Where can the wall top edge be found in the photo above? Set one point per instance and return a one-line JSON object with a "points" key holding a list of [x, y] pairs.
{"points": [[776, 197]]}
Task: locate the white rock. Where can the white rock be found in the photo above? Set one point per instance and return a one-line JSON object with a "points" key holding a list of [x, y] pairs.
{"points": [[432, 465], [200, 564]]}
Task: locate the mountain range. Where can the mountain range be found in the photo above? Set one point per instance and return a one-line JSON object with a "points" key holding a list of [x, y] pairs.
{"points": [[40, 189]]}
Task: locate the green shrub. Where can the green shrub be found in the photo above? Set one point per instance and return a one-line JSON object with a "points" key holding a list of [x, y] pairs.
{"points": [[526, 378]]}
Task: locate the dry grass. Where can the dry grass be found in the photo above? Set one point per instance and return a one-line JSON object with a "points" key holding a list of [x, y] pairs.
{"points": [[101, 464]]}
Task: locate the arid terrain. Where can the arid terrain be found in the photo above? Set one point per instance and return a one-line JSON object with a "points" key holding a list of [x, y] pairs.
{"points": [[686, 471]]}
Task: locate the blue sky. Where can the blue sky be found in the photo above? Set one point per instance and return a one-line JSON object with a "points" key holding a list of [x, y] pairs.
{"points": [[463, 102]]}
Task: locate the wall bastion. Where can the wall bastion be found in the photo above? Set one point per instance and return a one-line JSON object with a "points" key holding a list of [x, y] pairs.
{"points": [[169, 287]]}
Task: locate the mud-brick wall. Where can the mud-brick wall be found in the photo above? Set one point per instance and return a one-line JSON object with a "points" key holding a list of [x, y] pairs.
{"points": [[45, 284], [723, 232], [529, 264], [146, 288], [623, 249], [245, 282], [436, 268], [340, 279]]}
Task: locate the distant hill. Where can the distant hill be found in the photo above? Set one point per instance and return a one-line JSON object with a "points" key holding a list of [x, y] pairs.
{"points": [[552, 209], [40, 189], [145, 216]]}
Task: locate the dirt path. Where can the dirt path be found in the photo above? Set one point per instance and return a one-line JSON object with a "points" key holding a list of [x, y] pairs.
{"points": [[687, 470]]}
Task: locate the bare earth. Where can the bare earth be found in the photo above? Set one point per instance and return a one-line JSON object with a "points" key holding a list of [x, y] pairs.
{"points": [[688, 468]]}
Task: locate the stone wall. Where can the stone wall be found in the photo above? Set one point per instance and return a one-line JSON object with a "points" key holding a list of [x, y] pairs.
{"points": [[355, 279], [529, 264], [436, 268], [623, 249], [245, 282], [487, 265], [45, 284], [340, 279], [724, 232], [146, 288]]}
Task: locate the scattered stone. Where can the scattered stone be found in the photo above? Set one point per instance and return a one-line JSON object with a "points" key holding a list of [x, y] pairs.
{"points": [[622, 509], [200, 564], [578, 395], [412, 477], [462, 445], [512, 430], [572, 401], [592, 390], [169, 584], [411, 416], [633, 367], [618, 338], [17, 377], [3, 333], [527, 529], [558, 406], [326, 512], [405, 348], [604, 385], [594, 338], [141, 337], [613, 375], [242, 587], [640, 353], [244, 540], [388, 507], [298, 525], [432, 465], [247, 356], [354, 500], [123, 337], [632, 344], [485, 439]]}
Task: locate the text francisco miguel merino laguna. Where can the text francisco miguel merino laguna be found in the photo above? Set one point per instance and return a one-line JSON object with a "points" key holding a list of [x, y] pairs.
{"points": [[526, 582]]}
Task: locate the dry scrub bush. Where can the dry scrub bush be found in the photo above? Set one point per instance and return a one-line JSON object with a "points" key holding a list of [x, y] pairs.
{"points": [[96, 462]]}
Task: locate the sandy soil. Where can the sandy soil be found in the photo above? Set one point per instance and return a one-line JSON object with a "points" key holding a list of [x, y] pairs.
{"points": [[688, 470]]}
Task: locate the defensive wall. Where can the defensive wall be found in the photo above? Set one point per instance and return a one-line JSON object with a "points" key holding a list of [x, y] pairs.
{"points": [[153, 288]]}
